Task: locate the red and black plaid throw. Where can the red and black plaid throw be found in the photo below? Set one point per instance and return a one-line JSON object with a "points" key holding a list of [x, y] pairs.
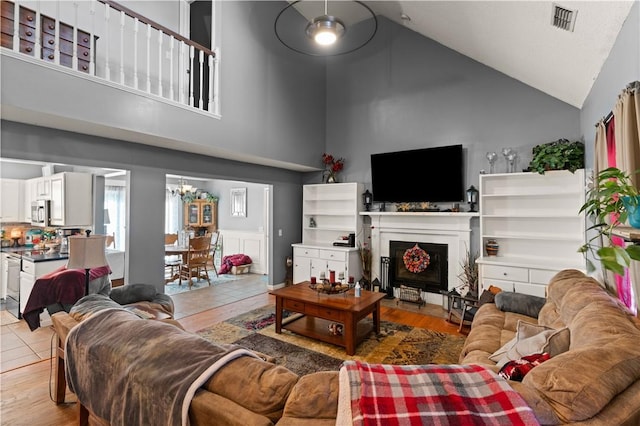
{"points": [[433, 395]]}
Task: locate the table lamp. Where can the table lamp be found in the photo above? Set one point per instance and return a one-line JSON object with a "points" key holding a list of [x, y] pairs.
{"points": [[86, 253]]}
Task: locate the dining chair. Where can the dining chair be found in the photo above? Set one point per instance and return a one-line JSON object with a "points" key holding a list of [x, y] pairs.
{"points": [[198, 255], [110, 240], [173, 262]]}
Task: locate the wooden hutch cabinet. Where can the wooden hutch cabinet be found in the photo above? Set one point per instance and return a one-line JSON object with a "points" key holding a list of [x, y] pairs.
{"points": [[28, 37], [201, 213]]}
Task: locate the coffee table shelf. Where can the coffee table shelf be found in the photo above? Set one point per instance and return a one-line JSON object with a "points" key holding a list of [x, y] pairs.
{"points": [[321, 310], [318, 329]]}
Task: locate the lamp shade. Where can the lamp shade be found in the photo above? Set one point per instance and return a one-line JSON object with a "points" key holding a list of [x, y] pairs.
{"points": [[87, 252]]}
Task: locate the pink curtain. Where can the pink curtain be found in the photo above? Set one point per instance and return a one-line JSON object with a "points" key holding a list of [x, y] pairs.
{"points": [[623, 283]]}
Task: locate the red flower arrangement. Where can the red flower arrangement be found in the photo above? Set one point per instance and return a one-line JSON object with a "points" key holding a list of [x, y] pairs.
{"points": [[332, 166]]}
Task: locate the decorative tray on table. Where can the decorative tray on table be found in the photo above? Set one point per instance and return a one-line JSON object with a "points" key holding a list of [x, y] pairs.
{"points": [[325, 287]]}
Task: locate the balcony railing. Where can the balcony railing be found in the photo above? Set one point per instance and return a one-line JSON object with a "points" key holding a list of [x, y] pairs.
{"points": [[109, 41]]}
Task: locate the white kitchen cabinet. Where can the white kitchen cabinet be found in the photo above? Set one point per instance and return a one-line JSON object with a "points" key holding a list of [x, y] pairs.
{"points": [[71, 199], [535, 220], [40, 188], [32, 270], [27, 201], [11, 200]]}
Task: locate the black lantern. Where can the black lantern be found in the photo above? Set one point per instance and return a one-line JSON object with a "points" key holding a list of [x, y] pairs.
{"points": [[367, 199], [472, 198]]}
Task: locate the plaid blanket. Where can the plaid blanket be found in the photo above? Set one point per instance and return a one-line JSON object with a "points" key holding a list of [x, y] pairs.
{"points": [[433, 395]]}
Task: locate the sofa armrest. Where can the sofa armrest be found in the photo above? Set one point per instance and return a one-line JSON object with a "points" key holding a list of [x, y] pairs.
{"points": [[62, 324]]}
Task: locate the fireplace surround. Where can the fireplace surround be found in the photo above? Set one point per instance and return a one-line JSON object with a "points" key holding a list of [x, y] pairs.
{"points": [[448, 228]]}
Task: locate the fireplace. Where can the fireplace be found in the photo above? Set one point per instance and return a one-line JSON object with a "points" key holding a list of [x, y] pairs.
{"points": [[433, 278]]}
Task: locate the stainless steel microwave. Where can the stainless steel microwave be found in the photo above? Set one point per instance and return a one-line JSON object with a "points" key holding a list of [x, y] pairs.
{"points": [[40, 210]]}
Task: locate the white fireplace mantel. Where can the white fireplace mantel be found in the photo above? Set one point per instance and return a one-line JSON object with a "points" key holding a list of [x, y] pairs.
{"points": [[452, 229]]}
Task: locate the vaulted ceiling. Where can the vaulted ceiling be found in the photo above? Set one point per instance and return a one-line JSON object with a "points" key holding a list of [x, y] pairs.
{"points": [[518, 39]]}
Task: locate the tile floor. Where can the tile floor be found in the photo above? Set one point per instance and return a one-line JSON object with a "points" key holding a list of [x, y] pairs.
{"points": [[19, 346]]}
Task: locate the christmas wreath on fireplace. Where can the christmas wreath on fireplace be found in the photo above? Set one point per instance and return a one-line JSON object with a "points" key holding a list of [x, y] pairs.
{"points": [[416, 259]]}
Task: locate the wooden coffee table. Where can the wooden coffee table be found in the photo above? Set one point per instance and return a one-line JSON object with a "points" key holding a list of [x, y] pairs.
{"points": [[320, 310]]}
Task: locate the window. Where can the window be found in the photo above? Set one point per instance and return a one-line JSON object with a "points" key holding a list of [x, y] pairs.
{"points": [[115, 202]]}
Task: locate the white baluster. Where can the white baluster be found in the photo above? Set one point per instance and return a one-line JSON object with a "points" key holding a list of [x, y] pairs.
{"points": [[171, 91], [148, 58], [135, 52], [183, 67], [160, 63], [201, 87], [216, 82], [107, 69], [92, 43], [74, 59], [191, 67], [210, 97], [16, 27], [122, 16]]}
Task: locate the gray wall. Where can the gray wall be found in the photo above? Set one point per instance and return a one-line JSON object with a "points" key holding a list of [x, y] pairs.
{"points": [[149, 166], [622, 67], [404, 91], [265, 93], [254, 221]]}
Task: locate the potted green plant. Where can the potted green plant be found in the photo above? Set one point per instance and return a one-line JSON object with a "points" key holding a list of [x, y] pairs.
{"points": [[611, 195], [558, 155]]}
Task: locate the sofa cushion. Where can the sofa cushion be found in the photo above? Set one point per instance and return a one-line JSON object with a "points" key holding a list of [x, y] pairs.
{"points": [[315, 396], [132, 293], [259, 386], [520, 303], [532, 339]]}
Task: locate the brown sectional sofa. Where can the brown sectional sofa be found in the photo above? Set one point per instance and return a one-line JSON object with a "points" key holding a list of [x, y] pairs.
{"points": [[595, 382], [246, 391]]}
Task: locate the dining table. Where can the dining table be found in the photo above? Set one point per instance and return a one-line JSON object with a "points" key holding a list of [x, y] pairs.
{"points": [[175, 250]]}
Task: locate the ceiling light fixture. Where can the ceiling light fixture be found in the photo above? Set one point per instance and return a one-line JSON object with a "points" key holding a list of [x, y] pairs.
{"points": [[325, 30], [307, 27], [183, 188]]}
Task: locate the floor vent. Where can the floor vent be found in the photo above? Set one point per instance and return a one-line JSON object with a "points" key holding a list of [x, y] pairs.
{"points": [[563, 18]]}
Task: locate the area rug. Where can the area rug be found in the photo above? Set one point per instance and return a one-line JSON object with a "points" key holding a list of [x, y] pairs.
{"points": [[174, 287], [396, 344]]}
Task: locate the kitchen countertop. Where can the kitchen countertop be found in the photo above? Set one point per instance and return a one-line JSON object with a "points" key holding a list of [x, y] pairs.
{"points": [[35, 255]]}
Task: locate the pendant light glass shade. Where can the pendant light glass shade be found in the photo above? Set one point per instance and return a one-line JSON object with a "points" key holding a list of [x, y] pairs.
{"points": [[325, 28]]}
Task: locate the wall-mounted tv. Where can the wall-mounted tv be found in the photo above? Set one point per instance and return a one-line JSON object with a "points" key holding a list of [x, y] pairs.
{"points": [[428, 174]]}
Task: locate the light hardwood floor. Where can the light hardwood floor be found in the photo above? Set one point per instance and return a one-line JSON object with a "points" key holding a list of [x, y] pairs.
{"points": [[25, 392]]}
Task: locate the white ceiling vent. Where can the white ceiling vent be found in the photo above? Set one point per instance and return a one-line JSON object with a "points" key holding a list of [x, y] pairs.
{"points": [[563, 18]]}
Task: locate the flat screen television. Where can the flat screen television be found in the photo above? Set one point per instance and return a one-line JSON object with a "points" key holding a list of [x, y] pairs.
{"points": [[419, 175]]}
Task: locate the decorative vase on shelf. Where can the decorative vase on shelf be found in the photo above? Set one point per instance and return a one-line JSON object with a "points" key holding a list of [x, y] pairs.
{"points": [[492, 247], [331, 178], [632, 206]]}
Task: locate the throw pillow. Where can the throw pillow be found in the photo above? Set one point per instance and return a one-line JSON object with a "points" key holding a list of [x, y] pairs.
{"points": [[494, 290], [486, 297], [532, 339], [520, 303], [517, 369]]}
